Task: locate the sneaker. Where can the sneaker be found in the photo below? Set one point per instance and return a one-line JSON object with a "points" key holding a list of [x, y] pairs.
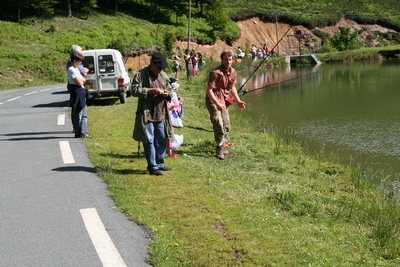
{"points": [[85, 136], [163, 168], [228, 144], [225, 151], [156, 172], [220, 152], [173, 155]]}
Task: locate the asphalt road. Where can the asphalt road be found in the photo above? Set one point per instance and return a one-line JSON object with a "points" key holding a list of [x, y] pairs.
{"points": [[54, 209]]}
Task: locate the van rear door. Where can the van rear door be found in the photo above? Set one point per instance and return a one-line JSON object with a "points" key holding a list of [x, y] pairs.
{"points": [[102, 78]]}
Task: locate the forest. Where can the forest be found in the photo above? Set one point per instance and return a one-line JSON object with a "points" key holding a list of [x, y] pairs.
{"points": [[218, 16]]}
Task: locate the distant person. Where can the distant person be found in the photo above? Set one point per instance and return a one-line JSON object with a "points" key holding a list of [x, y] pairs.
{"points": [[265, 50], [260, 54], [79, 95], [177, 67], [200, 60], [239, 53], [153, 121], [189, 66], [253, 52], [272, 53], [221, 83], [194, 62]]}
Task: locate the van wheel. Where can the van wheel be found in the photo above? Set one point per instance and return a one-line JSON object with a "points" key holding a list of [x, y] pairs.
{"points": [[122, 98]]}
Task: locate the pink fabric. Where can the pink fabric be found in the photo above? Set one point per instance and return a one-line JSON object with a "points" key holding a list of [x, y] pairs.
{"points": [[174, 105]]}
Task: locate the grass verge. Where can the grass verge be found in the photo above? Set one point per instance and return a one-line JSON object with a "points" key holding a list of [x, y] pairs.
{"points": [[267, 204]]}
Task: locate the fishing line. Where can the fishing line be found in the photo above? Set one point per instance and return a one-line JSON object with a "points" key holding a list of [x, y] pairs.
{"points": [[245, 91], [304, 11]]}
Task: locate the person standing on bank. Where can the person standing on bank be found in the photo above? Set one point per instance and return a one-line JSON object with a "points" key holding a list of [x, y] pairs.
{"points": [[221, 83], [188, 64], [84, 71], [79, 95], [153, 121]]}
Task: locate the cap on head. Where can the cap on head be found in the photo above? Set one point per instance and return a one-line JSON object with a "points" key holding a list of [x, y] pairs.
{"points": [[174, 86], [159, 60]]}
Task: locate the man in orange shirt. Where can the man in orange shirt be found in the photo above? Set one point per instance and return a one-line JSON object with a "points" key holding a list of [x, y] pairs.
{"points": [[221, 84]]}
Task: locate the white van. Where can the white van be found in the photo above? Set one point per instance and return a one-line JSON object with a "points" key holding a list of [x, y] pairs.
{"points": [[107, 74]]}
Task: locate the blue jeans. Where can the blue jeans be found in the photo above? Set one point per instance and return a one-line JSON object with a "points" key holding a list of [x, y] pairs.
{"points": [[83, 120], [154, 148], [79, 121]]}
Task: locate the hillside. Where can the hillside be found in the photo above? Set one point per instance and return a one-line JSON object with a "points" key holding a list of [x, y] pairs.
{"points": [[255, 31]]}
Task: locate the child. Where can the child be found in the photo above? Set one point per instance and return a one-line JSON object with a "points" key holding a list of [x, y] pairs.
{"points": [[175, 106], [175, 87]]}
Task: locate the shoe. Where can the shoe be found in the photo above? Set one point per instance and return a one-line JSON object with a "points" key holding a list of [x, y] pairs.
{"points": [[220, 152], [228, 144], [164, 169], [224, 150], [85, 136], [156, 172], [173, 155]]}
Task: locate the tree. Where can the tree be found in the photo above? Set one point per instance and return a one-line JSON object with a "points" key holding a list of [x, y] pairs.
{"points": [[19, 5], [216, 17], [69, 8], [346, 39]]}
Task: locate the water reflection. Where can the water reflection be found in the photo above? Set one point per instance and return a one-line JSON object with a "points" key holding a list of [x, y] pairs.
{"points": [[350, 110]]}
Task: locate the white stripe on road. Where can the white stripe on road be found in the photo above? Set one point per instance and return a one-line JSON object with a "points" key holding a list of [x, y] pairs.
{"points": [[31, 93], [12, 99], [102, 242], [61, 119], [66, 153]]}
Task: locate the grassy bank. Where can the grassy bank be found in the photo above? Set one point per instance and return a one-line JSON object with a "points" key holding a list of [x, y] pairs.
{"points": [[370, 53], [267, 204]]}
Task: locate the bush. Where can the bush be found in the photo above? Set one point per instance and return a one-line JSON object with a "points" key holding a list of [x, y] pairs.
{"points": [[346, 39], [231, 33]]}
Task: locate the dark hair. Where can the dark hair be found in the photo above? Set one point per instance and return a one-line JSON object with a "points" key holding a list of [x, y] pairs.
{"points": [[76, 56]]}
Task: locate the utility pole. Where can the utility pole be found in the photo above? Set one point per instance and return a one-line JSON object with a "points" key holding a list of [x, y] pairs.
{"points": [[276, 14], [190, 11]]}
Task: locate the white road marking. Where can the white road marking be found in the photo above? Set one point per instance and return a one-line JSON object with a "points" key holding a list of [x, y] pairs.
{"points": [[66, 152], [12, 99], [31, 93], [102, 242], [43, 90], [61, 119]]}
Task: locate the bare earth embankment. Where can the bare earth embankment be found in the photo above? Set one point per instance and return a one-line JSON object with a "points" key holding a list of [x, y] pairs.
{"points": [[255, 31]]}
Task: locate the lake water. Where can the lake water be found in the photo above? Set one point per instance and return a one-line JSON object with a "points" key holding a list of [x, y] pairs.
{"points": [[351, 110]]}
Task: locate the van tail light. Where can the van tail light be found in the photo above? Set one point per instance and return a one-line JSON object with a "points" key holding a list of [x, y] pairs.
{"points": [[121, 86]]}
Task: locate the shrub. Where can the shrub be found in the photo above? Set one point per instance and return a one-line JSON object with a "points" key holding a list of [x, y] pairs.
{"points": [[346, 39]]}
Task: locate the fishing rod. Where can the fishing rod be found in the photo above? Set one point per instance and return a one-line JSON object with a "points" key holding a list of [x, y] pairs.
{"points": [[272, 50]]}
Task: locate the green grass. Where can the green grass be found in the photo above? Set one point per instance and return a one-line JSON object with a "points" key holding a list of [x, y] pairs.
{"points": [[268, 205]]}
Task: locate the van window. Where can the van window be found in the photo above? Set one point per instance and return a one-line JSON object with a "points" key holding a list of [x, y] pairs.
{"points": [[88, 62], [106, 64]]}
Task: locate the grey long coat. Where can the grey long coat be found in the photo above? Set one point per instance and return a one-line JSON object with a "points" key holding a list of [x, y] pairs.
{"points": [[140, 84]]}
